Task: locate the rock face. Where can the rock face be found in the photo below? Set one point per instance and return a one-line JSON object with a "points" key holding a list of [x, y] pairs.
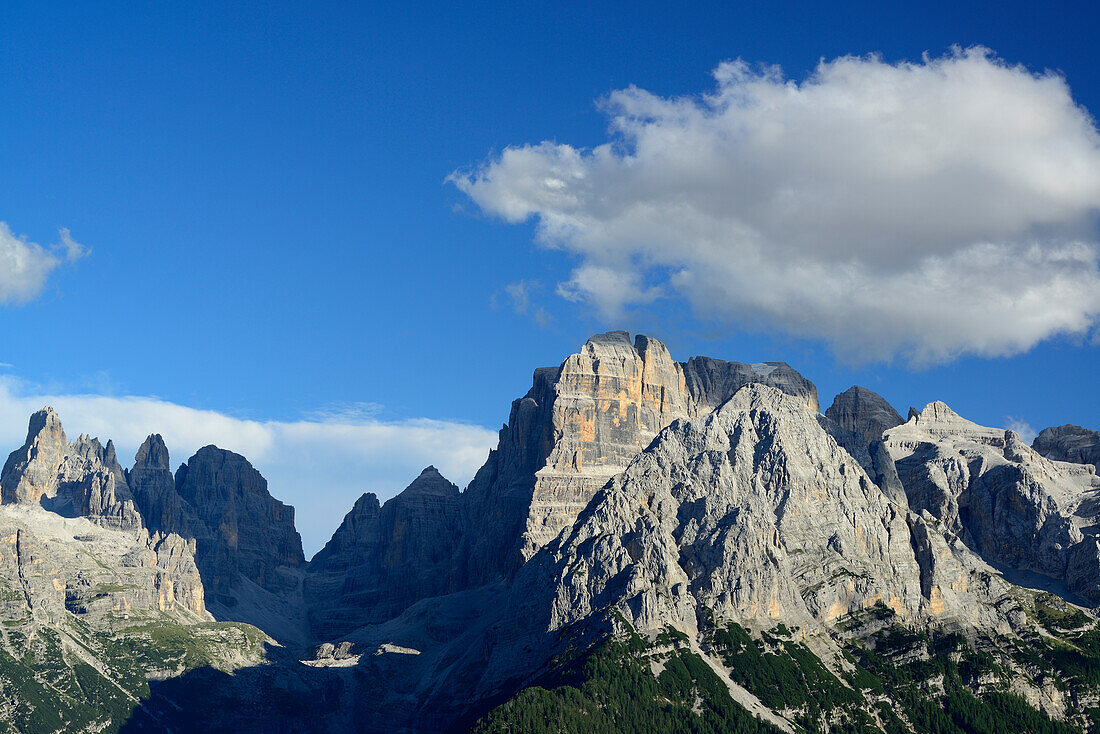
{"points": [[751, 514], [863, 411], [75, 479], [756, 514], [382, 559], [1069, 443], [712, 381], [1018, 509], [580, 424], [72, 565], [221, 502]]}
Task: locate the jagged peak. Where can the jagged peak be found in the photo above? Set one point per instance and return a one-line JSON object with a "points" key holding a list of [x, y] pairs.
{"points": [[757, 395], [938, 410], [366, 504], [45, 420], [153, 453]]}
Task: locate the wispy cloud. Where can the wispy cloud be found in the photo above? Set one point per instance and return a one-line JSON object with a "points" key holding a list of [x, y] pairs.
{"points": [[26, 266], [521, 294], [1023, 429], [320, 465], [928, 210]]}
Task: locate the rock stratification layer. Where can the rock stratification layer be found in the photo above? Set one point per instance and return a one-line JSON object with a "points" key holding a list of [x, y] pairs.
{"points": [[1018, 509], [579, 425], [75, 479], [863, 411]]}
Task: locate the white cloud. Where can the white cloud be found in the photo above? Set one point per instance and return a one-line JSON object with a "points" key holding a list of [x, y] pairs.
{"points": [[25, 266], [1023, 429], [928, 209], [319, 466]]}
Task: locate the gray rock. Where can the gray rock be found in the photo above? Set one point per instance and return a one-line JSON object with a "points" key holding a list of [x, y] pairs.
{"points": [[239, 528], [382, 559], [711, 382], [579, 425], [885, 473], [1069, 443], [863, 411], [81, 478], [582, 423], [1019, 510], [751, 514]]}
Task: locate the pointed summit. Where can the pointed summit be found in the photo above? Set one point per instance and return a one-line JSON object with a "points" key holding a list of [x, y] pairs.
{"points": [[153, 454], [82, 478], [430, 481], [31, 470]]}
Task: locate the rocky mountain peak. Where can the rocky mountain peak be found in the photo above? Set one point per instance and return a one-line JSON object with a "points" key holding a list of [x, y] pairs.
{"points": [[79, 478], [46, 422], [431, 481], [249, 532], [31, 470], [711, 382], [999, 496], [382, 559], [863, 411], [754, 513], [153, 454]]}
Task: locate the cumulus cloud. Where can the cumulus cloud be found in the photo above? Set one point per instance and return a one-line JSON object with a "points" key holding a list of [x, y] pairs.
{"points": [[925, 209], [319, 465], [25, 266]]}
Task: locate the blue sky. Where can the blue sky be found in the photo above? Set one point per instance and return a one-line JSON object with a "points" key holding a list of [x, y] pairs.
{"points": [[262, 193]]}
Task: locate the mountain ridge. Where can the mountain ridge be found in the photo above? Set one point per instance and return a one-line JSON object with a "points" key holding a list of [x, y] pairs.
{"points": [[639, 516]]}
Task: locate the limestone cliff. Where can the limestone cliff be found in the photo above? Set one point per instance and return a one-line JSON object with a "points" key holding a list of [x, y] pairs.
{"points": [[580, 424], [1018, 509], [75, 479]]}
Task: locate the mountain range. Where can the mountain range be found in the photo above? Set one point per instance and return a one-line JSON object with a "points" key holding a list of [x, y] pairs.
{"points": [[652, 546]]}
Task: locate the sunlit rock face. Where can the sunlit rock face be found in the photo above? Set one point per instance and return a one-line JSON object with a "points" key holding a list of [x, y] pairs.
{"points": [[82, 478], [1018, 509], [755, 513], [752, 513], [579, 425]]}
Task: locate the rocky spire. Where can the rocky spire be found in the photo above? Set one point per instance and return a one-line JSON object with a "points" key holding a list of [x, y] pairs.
{"points": [[154, 489], [81, 478], [31, 470]]}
